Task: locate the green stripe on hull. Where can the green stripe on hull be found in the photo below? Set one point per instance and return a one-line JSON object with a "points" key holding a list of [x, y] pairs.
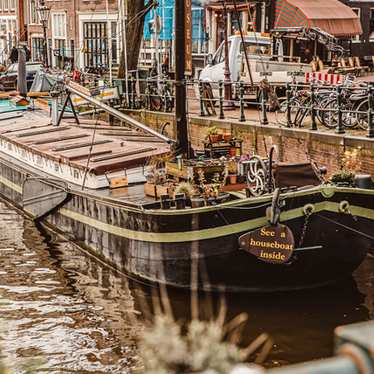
{"points": [[216, 232]]}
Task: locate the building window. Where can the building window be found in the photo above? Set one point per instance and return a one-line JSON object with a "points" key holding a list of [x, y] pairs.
{"points": [[114, 42], [198, 33], [95, 41], [59, 25], [371, 24], [12, 4], [6, 4], [356, 38], [59, 39], [37, 45], [33, 12]]}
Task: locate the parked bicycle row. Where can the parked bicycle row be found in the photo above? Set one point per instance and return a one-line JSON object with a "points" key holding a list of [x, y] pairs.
{"points": [[348, 105]]}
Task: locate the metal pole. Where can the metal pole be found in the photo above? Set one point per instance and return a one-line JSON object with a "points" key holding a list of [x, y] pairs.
{"points": [[45, 45], [243, 42], [116, 113], [124, 43], [340, 126], [227, 74], [264, 118], [180, 87], [370, 114]]}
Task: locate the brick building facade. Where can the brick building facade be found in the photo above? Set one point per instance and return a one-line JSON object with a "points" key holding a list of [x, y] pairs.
{"points": [[80, 33], [8, 28], [85, 33]]}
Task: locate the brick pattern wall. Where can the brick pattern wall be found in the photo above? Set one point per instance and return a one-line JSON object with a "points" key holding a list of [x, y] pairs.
{"points": [[294, 145]]}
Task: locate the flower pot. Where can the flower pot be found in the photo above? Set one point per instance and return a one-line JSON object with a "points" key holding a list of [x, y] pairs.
{"points": [[227, 137], [214, 138], [232, 152], [233, 179], [220, 137]]}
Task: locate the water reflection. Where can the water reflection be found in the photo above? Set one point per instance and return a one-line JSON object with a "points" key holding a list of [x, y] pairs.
{"points": [[63, 307], [82, 317], [301, 324]]}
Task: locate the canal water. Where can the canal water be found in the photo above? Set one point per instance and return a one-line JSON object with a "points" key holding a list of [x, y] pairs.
{"points": [[63, 311]]}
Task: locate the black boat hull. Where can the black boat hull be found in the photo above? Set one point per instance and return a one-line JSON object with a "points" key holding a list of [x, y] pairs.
{"points": [[163, 246]]}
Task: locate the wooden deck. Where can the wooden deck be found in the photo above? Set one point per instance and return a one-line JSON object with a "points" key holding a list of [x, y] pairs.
{"points": [[101, 148]]}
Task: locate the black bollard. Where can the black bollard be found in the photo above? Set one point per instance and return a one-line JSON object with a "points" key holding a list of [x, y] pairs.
{"points": [[313, 109], [221, 113], [241, 98], [264, 118], [340, 125], [288, 102], [202, 112]]}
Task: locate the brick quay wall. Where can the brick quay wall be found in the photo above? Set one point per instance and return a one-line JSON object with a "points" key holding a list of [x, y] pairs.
{"points": [[294, 145]]}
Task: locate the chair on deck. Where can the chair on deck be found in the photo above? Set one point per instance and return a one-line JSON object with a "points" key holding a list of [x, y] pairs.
{"points": [[287, 175]]}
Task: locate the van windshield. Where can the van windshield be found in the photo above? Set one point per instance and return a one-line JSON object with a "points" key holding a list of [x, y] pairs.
{"points": [[220, 54], [259, 48]]}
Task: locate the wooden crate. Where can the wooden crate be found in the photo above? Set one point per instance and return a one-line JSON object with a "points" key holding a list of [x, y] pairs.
{"points": [[153, 190]]}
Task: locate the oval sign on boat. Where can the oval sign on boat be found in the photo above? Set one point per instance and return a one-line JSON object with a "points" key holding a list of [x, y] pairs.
{"points": [[273, 244]]}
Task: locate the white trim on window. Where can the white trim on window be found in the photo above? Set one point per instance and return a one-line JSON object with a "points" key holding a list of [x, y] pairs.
{"points": [[59, 31], [94, 17]]}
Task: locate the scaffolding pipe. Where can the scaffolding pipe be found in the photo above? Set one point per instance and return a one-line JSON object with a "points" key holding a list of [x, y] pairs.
{"points": [[119, 115]]}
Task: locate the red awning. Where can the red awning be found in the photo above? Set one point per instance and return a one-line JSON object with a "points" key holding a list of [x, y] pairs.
{"points": [[331, 16]]}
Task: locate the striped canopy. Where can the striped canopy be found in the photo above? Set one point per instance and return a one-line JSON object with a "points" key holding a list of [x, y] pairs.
{"points": [[331, 16]]}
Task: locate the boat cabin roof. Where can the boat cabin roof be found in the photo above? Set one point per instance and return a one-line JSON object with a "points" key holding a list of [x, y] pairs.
{"points": [[99, 147]]}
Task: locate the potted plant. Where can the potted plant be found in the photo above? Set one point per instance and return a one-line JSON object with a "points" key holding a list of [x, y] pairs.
{"points": [[351, 164], [343, 178], [233, 178], [213, 134]]}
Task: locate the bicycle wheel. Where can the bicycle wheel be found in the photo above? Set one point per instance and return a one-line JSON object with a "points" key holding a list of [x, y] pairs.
{"points": [[350, 117], [301, 116], [362, 114], [282, 111], [168, 100], [329, 114]]}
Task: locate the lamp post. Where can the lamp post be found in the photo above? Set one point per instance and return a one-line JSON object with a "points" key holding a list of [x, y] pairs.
{"points": [[227, 74], [43, 12]]}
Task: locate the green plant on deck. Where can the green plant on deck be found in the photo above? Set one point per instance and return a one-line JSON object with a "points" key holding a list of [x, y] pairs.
{"points": [[212, 130], [214, 188], [343, 177], [350, 165], [185, 188]]}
